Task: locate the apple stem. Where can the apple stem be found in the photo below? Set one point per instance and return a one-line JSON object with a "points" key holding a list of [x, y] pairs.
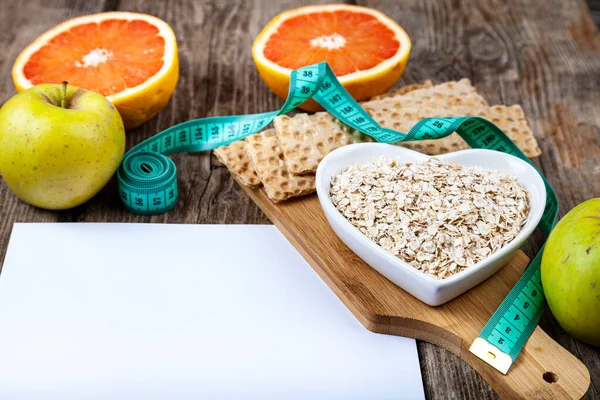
{"points": [[64, 94]]}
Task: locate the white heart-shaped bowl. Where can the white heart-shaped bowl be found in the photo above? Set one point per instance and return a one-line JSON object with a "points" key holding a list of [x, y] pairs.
{"points": [[426, 288]]}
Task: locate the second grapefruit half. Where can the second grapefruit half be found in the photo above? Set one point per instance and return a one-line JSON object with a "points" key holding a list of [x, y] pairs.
{"points": [[366, 50]]}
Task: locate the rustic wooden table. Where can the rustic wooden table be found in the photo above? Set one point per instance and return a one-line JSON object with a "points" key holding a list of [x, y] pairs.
{"points": [[542, 54]]}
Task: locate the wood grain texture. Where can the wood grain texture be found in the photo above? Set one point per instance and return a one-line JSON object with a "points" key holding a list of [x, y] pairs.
{"points": [[383, 307], [543, 54]]}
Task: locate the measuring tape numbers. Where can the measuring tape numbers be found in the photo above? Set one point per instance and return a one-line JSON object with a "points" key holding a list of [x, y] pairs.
{"points": [[148, 184], [147, 178]]}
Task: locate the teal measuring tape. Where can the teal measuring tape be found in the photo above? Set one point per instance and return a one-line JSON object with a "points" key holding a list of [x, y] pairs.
{"points": [[148, 183]]}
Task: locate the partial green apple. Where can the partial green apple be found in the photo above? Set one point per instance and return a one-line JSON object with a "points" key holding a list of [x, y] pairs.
{"points": [[571, 272], [59, 145]]}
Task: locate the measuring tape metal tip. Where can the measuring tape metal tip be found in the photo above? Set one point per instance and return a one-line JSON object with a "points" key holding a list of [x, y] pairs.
{"points": [[491, 355]]}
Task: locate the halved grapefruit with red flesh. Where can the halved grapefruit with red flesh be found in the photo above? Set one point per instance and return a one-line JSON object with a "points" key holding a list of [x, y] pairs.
{"points": [[130, 58], [365, 49]]}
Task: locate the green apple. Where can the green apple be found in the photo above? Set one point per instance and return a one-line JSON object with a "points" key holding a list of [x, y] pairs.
{"points": [[571, 272], [59, 145]]}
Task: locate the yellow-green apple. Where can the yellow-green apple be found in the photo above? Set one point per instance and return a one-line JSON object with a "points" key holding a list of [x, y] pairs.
{"points": [[59, 145], [571, 272]]}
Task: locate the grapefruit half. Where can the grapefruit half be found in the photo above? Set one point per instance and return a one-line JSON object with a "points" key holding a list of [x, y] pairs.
{"points": [[366, 50], [130, 58]]}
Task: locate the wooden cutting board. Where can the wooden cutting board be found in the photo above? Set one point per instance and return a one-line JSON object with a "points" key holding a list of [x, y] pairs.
{"points": [[383, 307]]}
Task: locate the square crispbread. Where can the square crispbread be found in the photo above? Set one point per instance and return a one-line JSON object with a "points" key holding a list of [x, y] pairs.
{"points": [[267, 157], [510, 119], [403, 90], [237, 160], [448, 94], [405, 118], [306, 139]]}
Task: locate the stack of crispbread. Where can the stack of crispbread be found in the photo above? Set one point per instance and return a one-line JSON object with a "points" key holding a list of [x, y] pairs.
{"points": [[284, 159]]}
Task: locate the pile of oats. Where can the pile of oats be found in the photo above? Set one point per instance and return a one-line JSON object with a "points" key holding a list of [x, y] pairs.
{"points": [[440, 218]]}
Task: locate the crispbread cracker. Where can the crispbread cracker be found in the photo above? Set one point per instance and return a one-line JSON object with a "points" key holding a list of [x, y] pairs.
{"points": [[267, 157], [403, 90], [236, 159], [510, 119], [448, 94], [306, 139]]}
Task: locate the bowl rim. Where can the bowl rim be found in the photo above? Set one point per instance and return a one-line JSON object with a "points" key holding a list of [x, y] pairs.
{"points": [[535, 213]]}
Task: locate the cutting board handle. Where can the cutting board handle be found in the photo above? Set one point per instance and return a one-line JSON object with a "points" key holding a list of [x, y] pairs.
{"points": [[543, 370]]}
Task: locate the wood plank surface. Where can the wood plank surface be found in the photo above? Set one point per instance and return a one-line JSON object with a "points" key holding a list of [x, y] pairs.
{"points": [[543, 54]]}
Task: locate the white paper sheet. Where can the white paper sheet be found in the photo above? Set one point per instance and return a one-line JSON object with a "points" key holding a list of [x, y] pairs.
{"points": [[139, 311]]}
